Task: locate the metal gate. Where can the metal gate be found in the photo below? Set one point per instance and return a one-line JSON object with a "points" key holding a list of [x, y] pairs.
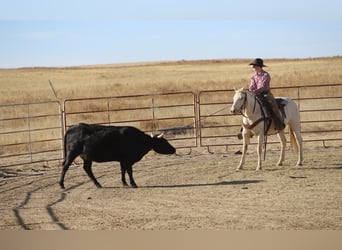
{"points": [[30, 133], [320, 109], [171, 113]]}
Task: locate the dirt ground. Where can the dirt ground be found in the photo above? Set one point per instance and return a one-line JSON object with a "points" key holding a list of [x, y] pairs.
{"points": [[180, 192]]}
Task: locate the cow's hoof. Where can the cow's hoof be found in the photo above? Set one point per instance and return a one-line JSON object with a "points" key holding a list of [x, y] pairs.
{"points": [[134, 186]]}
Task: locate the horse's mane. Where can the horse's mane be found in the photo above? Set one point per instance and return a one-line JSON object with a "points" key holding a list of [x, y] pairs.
{"points": [[243, 89]]}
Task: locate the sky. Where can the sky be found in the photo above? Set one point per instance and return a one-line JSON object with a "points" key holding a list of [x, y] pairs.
{"points": [[40, 33]]}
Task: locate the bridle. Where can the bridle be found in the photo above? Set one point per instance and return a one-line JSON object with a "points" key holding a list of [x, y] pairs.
{"points": [[244, 104]]}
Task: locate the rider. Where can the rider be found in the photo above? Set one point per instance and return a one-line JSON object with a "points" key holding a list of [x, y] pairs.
{"points": [[260, 86]]}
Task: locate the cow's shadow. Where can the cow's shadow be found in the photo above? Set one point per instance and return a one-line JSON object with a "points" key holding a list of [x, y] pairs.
{"points": [[222, 183]]}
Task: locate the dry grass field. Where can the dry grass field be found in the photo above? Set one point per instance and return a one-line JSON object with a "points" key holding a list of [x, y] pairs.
{"points": [[32, 84], [182, 192]]}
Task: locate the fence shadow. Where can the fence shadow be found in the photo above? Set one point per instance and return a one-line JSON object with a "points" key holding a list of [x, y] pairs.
{"points": [[222, 183]]}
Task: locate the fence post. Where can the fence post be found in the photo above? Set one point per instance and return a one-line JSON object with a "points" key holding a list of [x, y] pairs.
{"points": [[108, 114], [63, 125], [198, 119], [29, 130], [154, 127]]}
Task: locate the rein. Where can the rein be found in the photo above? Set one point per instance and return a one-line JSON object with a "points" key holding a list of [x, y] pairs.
{"points": [[243, 107], [251, 126]]}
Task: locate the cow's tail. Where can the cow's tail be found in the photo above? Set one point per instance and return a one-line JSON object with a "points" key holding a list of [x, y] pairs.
{"points": [[64, 147]]}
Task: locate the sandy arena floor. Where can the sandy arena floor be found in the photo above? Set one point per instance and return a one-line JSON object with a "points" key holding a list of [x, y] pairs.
{"points": [[180, 192]]}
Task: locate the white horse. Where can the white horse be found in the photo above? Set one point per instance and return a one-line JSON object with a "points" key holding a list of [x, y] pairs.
{"points": [[253, 123]]}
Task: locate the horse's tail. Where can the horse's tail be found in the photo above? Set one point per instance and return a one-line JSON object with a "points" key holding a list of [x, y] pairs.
{"points": [[293, 140]]}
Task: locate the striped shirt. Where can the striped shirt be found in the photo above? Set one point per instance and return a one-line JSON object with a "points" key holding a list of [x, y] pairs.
{"points": [[260, 82]]}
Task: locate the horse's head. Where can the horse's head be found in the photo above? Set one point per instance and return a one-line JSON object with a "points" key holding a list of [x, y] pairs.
{"points": [[239, 101]]}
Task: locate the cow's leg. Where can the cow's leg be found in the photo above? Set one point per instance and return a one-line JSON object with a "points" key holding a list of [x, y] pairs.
{"points": [[123, 177], [128, 168], [282, 139], [69, 158], [87, 168], [130, 174], [61, 181]]}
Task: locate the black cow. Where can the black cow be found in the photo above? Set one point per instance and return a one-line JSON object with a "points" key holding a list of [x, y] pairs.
{"points": [[124, 144]]}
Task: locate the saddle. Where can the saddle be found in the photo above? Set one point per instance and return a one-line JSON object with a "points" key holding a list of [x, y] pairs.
{"points": [[281, 102], [279, 121]]}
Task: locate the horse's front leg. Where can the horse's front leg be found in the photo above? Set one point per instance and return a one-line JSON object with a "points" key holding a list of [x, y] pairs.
{"points": [[259, 151], [245, 137], [282, 139]]}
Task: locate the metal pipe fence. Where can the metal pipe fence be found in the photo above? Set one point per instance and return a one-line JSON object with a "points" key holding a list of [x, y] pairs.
{"points": [[33, 132]]}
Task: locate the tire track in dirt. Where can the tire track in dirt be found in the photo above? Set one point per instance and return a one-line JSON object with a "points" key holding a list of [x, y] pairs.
{"points": [[31, 213], [33, 207]]}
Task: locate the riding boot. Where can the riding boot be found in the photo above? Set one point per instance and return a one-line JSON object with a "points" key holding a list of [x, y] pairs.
{"points": [[278, 121]]}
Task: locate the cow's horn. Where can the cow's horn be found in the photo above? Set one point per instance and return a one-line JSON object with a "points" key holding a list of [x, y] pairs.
{"points": [[160, 135]]}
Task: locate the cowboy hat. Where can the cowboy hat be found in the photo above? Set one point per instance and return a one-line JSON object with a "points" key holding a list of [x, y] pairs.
{"points": [[258, 62]]}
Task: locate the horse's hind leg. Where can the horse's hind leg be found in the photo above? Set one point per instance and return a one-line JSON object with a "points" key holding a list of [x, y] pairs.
{"points": [[282, 139], [299, 142], [296, 138]]}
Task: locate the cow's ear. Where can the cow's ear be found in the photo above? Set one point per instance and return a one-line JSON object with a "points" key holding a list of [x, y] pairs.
{"points": [[161, 135]]}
